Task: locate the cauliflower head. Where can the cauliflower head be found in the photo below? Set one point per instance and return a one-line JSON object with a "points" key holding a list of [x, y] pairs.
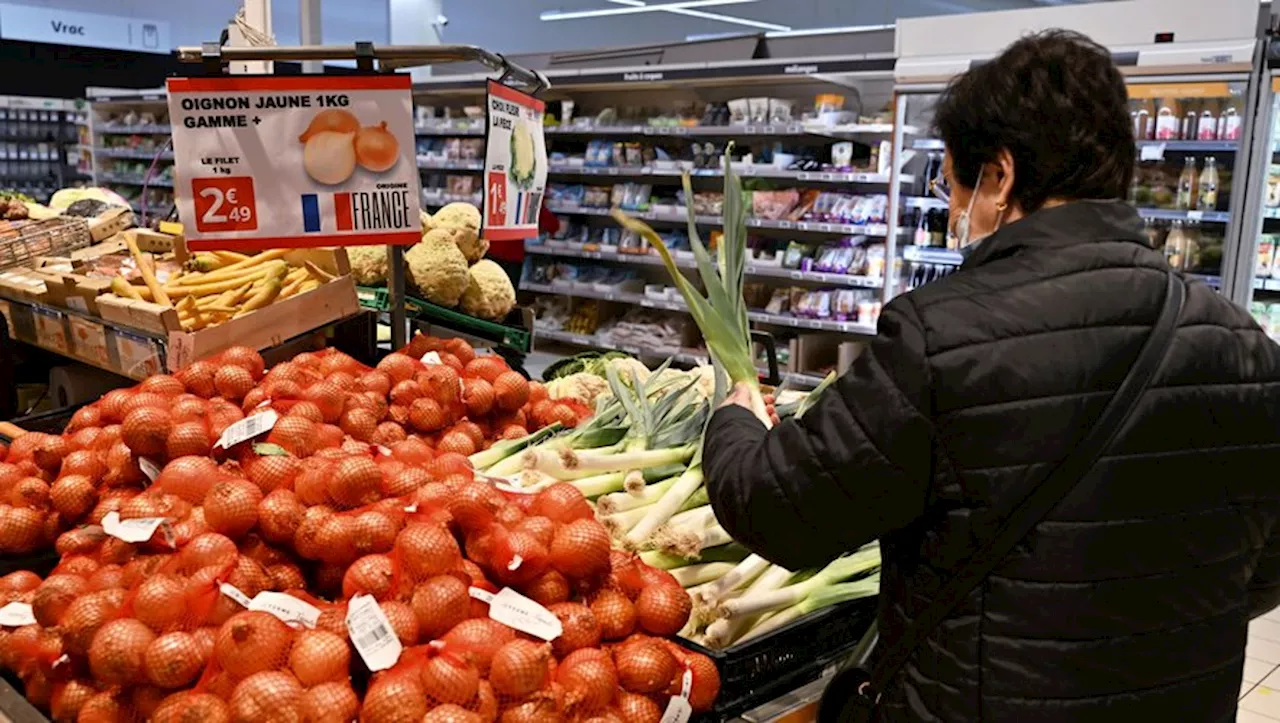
{"points": [[467, 241], [458, 214], [427, 222], [584, 387], [489, 293], [625, 367], [438, 269], [368, 264]]}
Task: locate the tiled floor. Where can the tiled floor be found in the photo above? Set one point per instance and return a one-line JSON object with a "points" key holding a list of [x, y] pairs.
{"points": [[1260, 692]]}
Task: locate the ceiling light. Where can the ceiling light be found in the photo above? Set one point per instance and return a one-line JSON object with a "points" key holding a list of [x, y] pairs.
{"points": [[641, 8], [827, 31], [631, 3], [729, 19]]}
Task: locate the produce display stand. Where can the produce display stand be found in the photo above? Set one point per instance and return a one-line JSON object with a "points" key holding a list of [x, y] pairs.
{"points": [[370, 59], [512, 332]]}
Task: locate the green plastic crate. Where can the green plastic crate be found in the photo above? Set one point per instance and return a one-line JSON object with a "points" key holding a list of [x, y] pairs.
{"points": [[511, 334]]}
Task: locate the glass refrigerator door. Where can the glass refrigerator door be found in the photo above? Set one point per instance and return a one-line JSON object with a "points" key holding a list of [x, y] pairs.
{"points": [[1188, 135], [1264, 294]]}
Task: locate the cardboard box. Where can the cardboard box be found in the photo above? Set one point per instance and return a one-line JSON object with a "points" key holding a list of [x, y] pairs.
{"points": [[110, 222], [23, 285]]}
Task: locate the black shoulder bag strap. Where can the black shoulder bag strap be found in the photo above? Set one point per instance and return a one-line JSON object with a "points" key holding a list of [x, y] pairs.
{"points": [[1038, 503]]}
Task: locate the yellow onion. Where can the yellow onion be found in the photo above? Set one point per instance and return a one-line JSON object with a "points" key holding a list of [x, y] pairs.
{"points": [[319, 656], [331, 119], [117, 652], [376, 148], [267, 697]]}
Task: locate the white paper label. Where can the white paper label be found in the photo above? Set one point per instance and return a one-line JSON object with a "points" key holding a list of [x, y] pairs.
{"points": [[149, 468], [295, 612], [431, 358], [247, 429], [234, 593], [78, 303], [372, 634], [520, 613], [384, 451], [16, 614], [678, 710], [139, 530], [306, 191], [1152, 152]]}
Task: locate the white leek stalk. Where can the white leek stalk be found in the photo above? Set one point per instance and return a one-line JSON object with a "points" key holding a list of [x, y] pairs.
{"points": [[821, 598], [661, 511], [623, 501], [839, 570], [742, 574], [723, 632], [691, 575]]}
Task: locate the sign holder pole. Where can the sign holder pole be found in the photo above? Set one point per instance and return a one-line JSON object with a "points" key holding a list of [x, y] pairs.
{"points": [[371, 59]]}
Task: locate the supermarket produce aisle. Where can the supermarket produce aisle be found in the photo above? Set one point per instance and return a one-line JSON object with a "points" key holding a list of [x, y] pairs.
{"points": [[1260, 691]]}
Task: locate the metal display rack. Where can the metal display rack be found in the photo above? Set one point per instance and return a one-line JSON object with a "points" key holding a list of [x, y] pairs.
{"points": [[373, 59], [654, 82]]}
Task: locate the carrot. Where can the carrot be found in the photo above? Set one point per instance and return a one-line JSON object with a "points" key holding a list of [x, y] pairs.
{"points": [[231, 271]]}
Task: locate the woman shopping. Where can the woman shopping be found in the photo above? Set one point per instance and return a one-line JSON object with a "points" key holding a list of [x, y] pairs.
{"points": [[1066, 450]]}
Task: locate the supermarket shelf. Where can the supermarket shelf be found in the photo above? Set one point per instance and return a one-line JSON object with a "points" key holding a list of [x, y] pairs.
{"points": [[843, 229], [936, 144], [758, 171], [1271, 213], [1260, 284], [685, 261], [932, 255], [132, 180], [594, 341], [1169, 214], [768, 129], [132, 153], [436, 165], [440, 199], [125, 350], [1216, 281], [163, 129], [639, 299], [1193, 146]]}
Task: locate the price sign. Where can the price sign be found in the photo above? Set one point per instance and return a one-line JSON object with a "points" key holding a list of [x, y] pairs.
{"points": [[515, 167], [295, 162]]}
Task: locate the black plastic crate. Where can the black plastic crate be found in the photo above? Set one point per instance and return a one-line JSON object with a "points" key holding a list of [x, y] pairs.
{"points": [[768, 667], [50, 422]]}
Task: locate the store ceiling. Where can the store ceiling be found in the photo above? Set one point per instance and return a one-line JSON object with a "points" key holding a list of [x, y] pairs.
{"points": [[522, 30]]}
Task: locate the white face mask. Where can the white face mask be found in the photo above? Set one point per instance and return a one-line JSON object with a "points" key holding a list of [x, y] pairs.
{"points": [[959, 232]]}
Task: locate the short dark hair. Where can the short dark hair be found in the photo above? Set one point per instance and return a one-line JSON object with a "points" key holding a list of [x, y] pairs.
{"points": [[1058, 104]]}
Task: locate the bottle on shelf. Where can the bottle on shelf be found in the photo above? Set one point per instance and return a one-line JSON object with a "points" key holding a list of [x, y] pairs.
{"points": [[1175, 246], [1186, 199], [1208, 195]]}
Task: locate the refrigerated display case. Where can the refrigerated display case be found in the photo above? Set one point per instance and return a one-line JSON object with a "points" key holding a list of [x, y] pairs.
{"points": [[1257, 285], [1192, 103], [1191, 148]]}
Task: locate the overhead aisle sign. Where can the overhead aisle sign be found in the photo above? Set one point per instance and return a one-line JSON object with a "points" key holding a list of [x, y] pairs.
{"points": [[267, 162]]}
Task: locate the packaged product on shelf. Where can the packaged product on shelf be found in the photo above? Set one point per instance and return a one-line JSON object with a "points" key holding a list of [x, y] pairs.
{"points": [[634, 155], [1261, 315], [618, 154], [759, 109], [773, 205], [1231, 120], [1168, 120], [779, 301], [1208, 128], [1273, 186], [1265, 259], [875, 260], [842, 155], [797, 253], [739, 112], [779, 110], [1208, 195], [846, 305], [596, 196]]}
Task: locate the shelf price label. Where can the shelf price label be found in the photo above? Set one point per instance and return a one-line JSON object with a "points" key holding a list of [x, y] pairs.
{"points": [[515, 166], [295, 162]]}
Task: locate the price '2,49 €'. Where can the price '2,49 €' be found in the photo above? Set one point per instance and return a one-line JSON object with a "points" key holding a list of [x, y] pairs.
{"points": [[225, 204]]}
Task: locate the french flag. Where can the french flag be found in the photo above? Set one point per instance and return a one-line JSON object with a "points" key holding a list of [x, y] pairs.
{"points": [[342, 210], [310, 213]]}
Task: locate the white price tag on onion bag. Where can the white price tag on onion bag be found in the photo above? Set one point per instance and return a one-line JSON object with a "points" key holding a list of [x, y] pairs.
{"points": [[431, 358], [371, 633], [678, 708], [149, 468], [248, 428], [16, 614], [291, 610], [520, 613], [138, 530]]}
